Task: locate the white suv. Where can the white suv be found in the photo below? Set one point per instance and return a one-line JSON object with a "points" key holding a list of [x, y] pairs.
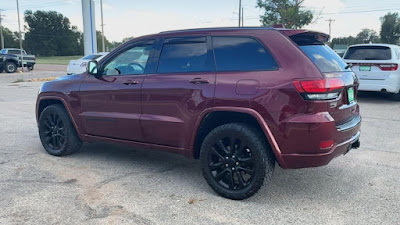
{"points": [[377, 67]]}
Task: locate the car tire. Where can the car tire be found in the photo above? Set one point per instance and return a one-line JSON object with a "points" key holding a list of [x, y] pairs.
{"points": [[10, 67], [56, 131], [236, 160], [30, 68]]}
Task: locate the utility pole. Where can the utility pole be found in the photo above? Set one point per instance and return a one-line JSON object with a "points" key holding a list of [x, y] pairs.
{"points": [[1, 31], [240, 13], [330, 25], [242, 17], [20, 38], [102, 27]]}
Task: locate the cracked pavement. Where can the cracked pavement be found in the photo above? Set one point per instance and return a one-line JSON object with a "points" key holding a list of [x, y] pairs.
{"points": [[115, 184]]}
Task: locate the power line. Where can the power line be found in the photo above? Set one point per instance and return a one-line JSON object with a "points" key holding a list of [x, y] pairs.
{"points": [[363, 11]]}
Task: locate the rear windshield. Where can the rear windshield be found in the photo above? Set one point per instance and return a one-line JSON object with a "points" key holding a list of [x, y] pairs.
{"points": [[89, 57], [369, 53], [324, 58]]}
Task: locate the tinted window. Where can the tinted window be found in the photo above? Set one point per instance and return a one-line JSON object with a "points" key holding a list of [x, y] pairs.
{"points": [[180, 55], [130, 62], [241, 54], [369, 53], [14, 52], [324, 58], [89, 57]]}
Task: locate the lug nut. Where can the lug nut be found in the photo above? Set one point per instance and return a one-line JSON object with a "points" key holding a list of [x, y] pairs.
{"points": [[226, 157], [248, 150], [233, 168], [233, 156], [226, 165], [237, 163]]}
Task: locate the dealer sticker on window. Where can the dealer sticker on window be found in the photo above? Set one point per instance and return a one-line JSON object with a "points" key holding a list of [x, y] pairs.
{"points": [[350, 94]]}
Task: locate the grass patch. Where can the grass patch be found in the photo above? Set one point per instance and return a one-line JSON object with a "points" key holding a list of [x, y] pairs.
{"points": [[58, 60], [19, 80]]}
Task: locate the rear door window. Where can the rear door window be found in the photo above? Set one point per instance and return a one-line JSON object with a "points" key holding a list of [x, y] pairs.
{"points": [[185, 55], [324, 58], [241, 54], [369, 53], [14, 52]]}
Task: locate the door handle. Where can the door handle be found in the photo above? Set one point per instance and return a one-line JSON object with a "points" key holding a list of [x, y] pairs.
{"points": [[131, 82], [199, 81]]}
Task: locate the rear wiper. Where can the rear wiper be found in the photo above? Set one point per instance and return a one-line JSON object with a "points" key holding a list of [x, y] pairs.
{"points": [[348, 66]]}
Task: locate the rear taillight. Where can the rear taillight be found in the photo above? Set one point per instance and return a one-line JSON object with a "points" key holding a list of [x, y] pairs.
{"points": [[389, 67], [320, 89]]}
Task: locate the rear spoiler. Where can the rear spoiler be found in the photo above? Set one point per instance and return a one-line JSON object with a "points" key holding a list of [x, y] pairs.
{"points": [[305, 37]]}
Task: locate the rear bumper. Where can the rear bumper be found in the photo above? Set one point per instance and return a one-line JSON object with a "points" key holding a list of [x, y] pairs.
{"points": [[302, 148], [391, 84], [295, 161]]}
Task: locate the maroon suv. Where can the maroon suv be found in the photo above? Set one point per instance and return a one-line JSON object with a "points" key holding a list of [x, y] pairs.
{"points": [[238, 99]]}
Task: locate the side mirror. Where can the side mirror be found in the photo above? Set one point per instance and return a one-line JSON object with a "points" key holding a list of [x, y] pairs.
{"points": [[92, 68]]}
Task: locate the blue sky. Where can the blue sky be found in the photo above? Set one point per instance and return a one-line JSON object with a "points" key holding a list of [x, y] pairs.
{"points": [[124, 18]]}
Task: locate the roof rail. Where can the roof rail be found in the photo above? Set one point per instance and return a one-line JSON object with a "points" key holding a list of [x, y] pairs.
{"points": [[218, 29]]}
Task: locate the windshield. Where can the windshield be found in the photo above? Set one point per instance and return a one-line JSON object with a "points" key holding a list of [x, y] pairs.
{"points": [[325, 58], [369, 53], [89, 57]]}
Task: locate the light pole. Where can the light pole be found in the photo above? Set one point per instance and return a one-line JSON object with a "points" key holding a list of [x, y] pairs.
{"points": [[20, 38], [330, 26], [102, 27], [240, 13]]}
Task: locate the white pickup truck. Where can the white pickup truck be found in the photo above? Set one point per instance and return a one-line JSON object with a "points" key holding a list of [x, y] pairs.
{"points": [[29, 60]]}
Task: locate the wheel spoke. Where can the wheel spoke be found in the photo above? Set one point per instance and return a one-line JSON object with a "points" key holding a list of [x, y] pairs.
{"points": [[51, 142], [221, 175], [240, 179], [231, 181], [222, 146], [215, 166], [217, 153], [56, 143], [247, 170]]}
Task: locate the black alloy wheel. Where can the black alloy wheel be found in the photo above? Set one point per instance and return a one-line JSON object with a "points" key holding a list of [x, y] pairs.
{"points": [[236, 160], [54, 131], [231, 163]]}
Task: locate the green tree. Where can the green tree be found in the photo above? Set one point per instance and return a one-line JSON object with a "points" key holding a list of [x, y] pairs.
{"points": [[50, 33], [390, 28], [345, 41], [11, 39], [127, 39], [367, 35], [107, 43], [289, 13]]}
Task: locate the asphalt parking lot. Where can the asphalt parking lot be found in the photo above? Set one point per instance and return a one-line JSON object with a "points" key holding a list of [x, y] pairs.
{"points": [[108, 184]]}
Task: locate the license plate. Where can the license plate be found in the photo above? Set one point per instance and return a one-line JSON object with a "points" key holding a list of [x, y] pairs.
{"points": [[365, 68], [350, 94]]}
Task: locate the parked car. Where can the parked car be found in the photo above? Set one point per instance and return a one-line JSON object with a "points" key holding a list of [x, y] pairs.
{"points": [[377, 67], [238, 99], [29, 60], [79, 66], [9, 63]]}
